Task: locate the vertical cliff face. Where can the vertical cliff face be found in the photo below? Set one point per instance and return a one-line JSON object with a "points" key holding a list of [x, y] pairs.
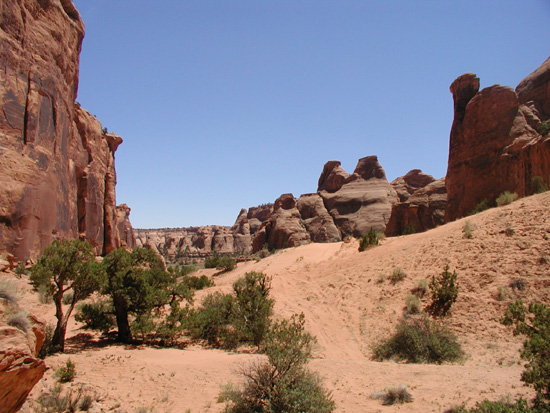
{"points": [[496, 143], [57, 172]]}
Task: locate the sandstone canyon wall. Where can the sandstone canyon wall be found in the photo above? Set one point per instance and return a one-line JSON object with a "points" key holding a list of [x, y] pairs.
{"points": [[496, 143], [57, 172]]}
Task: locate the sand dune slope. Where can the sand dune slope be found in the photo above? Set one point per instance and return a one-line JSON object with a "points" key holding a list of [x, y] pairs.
{"points": [[349, 304]]}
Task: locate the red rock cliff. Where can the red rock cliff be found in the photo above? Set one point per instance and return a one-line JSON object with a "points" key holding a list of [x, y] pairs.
{"points": [[57, 170], [495, 142]]}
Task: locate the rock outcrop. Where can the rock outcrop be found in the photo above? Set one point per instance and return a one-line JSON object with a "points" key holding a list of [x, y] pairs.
{"points": [[318, 222], [57, 172], [284, 228], [20, 367], [124, 230], [359, 201], [496, 143], [197, 243], [422, 202]]}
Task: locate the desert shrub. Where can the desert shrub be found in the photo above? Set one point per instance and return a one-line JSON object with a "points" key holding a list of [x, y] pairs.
{"points": [[7, 293], [467, 230], [444, 293], [197, 283], [420, 289], [20, 320], [211, 262], [413, 304], [393, 394], [252, 307], [370, 239], [66, 373], [226, 264], [283, 383], [226, 320], [533, 322], [86, 403], [517, 284], [419, 340], [20, 269], [96, 316], [502, 406], [48, 347], [409, 229], [211, 321], [480, 207], [55, 402], [506, 198], [538, 185], [397, 275], [544, 128]]}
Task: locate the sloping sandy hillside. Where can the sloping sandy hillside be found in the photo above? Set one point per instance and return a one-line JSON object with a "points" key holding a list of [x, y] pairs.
{"points": [[349, 304]]}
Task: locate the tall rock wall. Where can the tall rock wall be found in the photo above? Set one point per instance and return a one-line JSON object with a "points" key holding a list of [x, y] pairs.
{"points": [[57, 171], [495, 142]]}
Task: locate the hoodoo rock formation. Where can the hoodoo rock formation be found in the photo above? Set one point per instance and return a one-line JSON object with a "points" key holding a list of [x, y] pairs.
{"points": [[497, 141], [359, 201], [57, 172]]}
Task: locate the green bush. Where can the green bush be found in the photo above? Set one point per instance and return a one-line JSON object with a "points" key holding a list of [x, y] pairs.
{"points": [[226, 264], [211, 321], [66, 373], [197, 283], [368, 240], [538, 185], [444, 293], [96, 316], [283, 383], [467, 230], [482, 206], [226, 320], [533, 322], [211, 262], [506, 198], [419, 340]]}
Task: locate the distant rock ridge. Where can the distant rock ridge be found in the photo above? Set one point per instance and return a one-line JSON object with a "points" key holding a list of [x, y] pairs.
{"points": [[58, 164], [496, 141]]}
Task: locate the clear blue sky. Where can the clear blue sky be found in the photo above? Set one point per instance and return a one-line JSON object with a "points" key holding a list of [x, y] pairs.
{"points": [[228, 104]]}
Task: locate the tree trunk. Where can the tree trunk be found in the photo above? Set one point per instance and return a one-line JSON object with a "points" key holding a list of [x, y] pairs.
{"points": [[58, 340], [121, 312]]}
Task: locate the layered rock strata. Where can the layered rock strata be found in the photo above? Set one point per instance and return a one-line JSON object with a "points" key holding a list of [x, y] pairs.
{"points": [[57, 172], [498, 140]]}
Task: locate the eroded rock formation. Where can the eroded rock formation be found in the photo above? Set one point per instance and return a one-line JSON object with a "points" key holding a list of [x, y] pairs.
{"points": [[422, 202], [57, 172], [495, 142], [197, 243], [358, 201]]}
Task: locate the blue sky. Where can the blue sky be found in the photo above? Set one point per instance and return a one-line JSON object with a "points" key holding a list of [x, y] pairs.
{"points": [[228, 104]]}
